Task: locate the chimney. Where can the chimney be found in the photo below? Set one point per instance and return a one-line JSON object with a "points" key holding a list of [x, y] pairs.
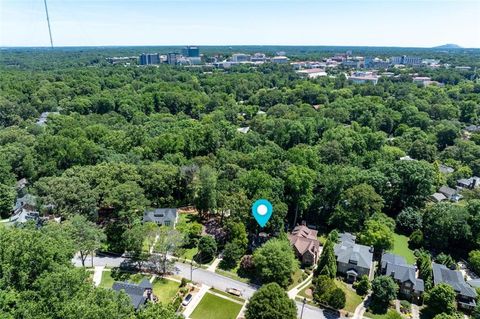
{"points": [[474, 182], [371, 249]]}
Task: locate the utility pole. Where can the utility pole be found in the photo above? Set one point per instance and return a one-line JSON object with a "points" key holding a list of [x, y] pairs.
{"points": [[48, 22], [303, 306]]}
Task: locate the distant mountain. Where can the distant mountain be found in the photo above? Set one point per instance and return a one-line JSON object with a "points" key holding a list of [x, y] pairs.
{"points": [[448, 46]]}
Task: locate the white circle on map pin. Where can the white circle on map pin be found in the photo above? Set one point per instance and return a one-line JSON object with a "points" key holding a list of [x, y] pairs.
{"points": [[262, 209]]}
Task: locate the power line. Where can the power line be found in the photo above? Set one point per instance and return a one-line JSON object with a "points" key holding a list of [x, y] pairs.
{"points": [[48, 21]]}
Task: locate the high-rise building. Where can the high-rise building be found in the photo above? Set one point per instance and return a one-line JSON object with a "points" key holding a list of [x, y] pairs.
{"points": [[405, 60], [191, 51], [149, 58], [241, 57], [172, 58]]}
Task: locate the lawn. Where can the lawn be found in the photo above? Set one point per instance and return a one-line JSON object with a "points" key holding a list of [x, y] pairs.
{"points": [[107, 280], [222, 308], [378, 316], [224, 293], [353, 300], [188, 253], [165, 289], [303, 293], [400, 247], [232, 274], [296, 279]]}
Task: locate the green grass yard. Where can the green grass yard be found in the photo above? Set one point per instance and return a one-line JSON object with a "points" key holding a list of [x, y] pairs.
{"points": [[400, 247], [223, 308], [165, 289], [378, 316], [353, 300], [107, 280], [296, 279]]}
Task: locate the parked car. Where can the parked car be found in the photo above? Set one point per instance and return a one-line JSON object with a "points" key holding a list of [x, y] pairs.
{"points": [[187, 300], [234, 291]]}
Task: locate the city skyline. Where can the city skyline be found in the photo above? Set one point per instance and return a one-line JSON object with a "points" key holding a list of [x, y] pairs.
{"points": [[415, 23]]}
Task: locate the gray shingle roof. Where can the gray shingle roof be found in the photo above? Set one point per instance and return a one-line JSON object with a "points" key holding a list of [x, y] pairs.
{"points": [[393, 259], [474, 283], [454, 278], [405, 273], [447, 191], [397, 267], [160, 215], [135, 292], [347, 251]]}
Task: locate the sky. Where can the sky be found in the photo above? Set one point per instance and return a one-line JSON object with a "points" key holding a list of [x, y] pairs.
{"points": [[407, 23]]}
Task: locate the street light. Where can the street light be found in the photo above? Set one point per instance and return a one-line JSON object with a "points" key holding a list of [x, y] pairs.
{"points": [[303, 306]]}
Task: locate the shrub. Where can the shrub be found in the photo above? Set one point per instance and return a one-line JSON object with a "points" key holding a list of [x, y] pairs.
{"points": [[362, 286], [416, 239]]}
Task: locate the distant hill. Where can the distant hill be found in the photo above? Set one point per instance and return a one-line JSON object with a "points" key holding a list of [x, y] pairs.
{"points": [[448, 46]]}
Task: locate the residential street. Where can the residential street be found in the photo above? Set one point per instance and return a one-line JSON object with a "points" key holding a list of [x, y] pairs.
{"points": [[211, 279]]}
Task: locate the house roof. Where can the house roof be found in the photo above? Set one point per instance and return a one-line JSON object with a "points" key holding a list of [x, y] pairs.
{"points": [[24, 215], [146, 284], [438, 197], [473, 128], [347, 237], [393, 259], [454, 278], [135, 292], [28, 199], [304, 239], [347, 251], [397, 267], [160, 215], [243, 130], [446, 169], [475, 283], [447, 191], [405, 273], [305, 232]]}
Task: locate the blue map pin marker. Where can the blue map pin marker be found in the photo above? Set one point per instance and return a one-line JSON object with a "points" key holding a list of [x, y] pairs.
{"points": [[262, 211]]}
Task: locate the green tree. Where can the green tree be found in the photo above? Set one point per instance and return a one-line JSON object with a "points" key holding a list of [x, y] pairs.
{"points": [[416, 239], [157, 311], [384, 290], [299, 183], [378, 235], [168, 242], [270, 302], [7, 199], [206, 193], [207, 248], [441, 299], [362, 286], [474, 260], [425, 271], [409, 220], [86, 236], [232, 253], [327, 293], [356, 205], [275, 262], [327, 263]]}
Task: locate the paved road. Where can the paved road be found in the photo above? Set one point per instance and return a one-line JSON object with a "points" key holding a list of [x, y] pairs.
{"points": [[212, 279]]}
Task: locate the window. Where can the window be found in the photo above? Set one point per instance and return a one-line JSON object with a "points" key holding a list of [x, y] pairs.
{"points": [[167, 223]]}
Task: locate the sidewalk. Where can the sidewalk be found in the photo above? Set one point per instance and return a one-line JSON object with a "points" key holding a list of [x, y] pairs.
{"points": [[97, 275], [360, 310], [214, 265], [295, 290], [195, 301]]}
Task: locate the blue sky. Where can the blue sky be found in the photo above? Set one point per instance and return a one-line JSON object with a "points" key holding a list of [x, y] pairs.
{"points": [[419, 23]]}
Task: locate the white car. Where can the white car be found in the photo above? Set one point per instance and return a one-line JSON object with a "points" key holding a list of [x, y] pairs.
{"points": [[187, 300]]}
